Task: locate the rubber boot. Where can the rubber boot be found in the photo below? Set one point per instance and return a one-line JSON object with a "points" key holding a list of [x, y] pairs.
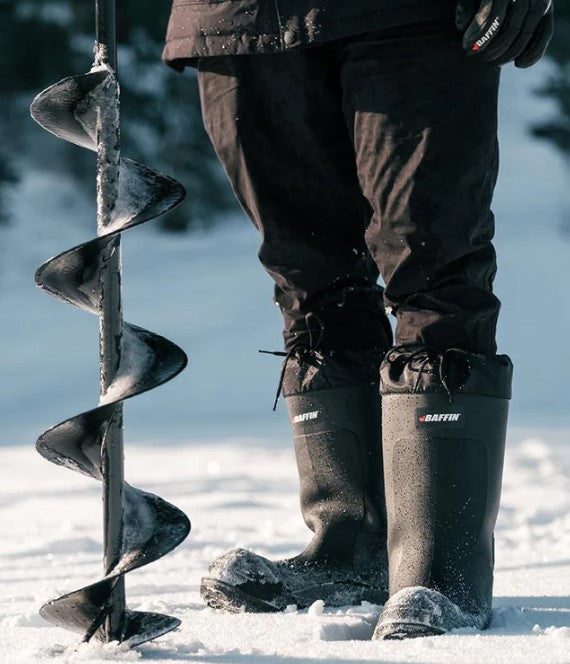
{"points": [[334, 407], [444, 428]]}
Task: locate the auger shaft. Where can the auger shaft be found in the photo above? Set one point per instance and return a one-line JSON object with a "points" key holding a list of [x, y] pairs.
{"points": [[110, 320], [105, 29]]}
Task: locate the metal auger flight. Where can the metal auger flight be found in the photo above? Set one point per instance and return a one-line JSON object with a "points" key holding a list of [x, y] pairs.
{"points": [[139, 527]]}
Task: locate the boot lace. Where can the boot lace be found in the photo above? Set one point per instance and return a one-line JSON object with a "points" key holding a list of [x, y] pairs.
{"points": [[426, 359], [299, 349]]}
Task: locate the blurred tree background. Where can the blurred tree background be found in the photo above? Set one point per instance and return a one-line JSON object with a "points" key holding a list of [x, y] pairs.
{"points": [[557, 86], [556, 130], [42, 41]]}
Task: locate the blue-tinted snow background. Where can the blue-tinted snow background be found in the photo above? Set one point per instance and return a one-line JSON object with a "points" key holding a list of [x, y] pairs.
{"points": [[205, 290]]}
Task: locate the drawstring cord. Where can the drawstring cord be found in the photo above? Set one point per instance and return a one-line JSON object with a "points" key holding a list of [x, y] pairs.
{"points": [[301, 349], [444, 367], [287, 357], [441, 359]]}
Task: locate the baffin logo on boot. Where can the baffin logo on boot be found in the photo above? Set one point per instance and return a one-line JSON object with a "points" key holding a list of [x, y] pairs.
{"points": [[303, 417], [440, 417], [426, 418]]}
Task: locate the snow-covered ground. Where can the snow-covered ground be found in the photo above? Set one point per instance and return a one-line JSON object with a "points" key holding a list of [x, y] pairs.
{"points": [[209, 442], [244, 493]]}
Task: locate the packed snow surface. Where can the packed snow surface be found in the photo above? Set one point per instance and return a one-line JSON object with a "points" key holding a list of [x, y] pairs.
{"points": [[244, 493]]}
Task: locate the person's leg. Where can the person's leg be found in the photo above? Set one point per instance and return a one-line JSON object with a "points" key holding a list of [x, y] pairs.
{"points": [[277, 125], [424, 121]]}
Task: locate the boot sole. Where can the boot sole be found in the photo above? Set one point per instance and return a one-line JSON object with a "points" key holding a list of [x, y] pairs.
{"points": [[223, 597], [401, 631]]}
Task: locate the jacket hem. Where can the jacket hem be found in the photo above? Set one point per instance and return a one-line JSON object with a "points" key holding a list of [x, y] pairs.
{"points": [[185, 51]]}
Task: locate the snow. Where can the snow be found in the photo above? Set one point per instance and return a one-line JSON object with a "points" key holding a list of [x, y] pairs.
{"points": [[316, 608], [209, 442], [135, 358], [54, 545]]}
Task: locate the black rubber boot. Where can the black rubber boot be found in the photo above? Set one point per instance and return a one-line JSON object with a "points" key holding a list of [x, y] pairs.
{"points": [[334, 406], [444, 427]]}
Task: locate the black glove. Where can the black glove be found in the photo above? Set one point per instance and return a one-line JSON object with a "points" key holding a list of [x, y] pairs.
{"points": [[500, 31]]}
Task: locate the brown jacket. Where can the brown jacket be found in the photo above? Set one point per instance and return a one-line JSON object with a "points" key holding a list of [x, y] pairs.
{"points": [[202, 28]]}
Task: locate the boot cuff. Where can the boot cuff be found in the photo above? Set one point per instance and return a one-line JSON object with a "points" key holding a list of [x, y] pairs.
{"points": [[311, 370], [418, 370]]}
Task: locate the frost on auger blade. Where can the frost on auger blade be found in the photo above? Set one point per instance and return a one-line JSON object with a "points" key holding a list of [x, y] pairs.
{"points": [[139, 527]]}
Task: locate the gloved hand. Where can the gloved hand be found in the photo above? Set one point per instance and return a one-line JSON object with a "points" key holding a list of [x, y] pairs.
{"points": [[500, 31]]}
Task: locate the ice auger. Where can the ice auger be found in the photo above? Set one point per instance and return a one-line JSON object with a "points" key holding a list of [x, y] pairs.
{"points": [[139, 527]]}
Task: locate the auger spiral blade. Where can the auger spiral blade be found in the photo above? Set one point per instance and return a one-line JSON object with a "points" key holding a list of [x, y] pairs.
{"points": [[139, 527], [59, 108]]}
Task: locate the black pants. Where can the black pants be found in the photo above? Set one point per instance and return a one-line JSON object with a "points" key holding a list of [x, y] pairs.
{"points": [[374, 154]]}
